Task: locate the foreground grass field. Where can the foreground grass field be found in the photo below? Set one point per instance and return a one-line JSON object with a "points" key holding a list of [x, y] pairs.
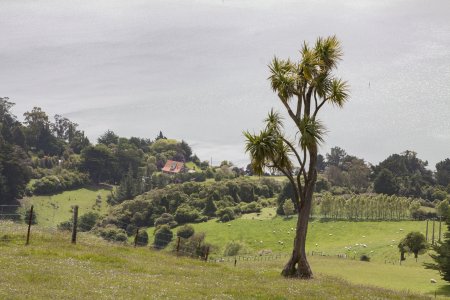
{"points": [[378, 240], [52, 268], [52, 210]]}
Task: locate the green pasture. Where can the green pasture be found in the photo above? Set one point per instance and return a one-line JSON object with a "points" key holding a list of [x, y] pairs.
{"points": [[378, 240], [192, 166], [53, 268], [54, 209]]}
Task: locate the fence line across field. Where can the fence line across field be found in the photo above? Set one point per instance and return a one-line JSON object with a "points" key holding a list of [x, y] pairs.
{"points": [[9, 214]]}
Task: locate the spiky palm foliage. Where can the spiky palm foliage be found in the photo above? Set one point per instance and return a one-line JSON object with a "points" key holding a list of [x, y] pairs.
{"points": [[303, 88]]}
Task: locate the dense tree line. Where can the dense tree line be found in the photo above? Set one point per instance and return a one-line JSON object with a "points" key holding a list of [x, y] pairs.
{"points": [[403, 174], [345, 170], [399, 174], [62, 181], [58, 156], [15, 170], [37, 148]]}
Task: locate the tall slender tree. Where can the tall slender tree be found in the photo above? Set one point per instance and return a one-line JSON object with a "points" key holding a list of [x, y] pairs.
{"points": [[303, 87]]}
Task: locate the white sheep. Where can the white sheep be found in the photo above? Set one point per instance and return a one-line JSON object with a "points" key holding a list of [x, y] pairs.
{"points": [[433, 280]]}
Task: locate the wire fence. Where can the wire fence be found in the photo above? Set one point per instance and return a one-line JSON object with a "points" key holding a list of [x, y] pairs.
{"points": [[17, 227]]}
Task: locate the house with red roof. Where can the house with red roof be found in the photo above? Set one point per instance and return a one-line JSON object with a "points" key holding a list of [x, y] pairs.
{"points": [[173, 167]]}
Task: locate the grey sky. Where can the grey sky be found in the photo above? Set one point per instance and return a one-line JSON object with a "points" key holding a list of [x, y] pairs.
{"points": [[197, 70]]}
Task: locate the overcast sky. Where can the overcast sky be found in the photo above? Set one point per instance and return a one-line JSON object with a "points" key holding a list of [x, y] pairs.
{"points": [[197, 70]]}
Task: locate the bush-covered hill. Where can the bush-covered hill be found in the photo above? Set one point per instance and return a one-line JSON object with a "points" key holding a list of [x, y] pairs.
{"points": [[193, 202]]}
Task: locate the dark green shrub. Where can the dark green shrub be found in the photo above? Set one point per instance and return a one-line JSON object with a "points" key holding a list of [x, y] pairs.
{"points": [[322, 184], [236, 209], [142, 238], [65, 180], [226, 214], [166, 219], [131, 229], [138, 219], [186, 214], [195, 246], [218, 176], [247, 192], [185, 231], [252, 207], [199, 177], [112, 233], [364, 257], [226, 201], [87, 221], [209, 173], [210, 208], [202, 219], [163, 236], [232, 249]]}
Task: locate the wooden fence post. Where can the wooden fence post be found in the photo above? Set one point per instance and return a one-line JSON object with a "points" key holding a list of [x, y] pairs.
{"points": [[207, 253], [75, 224], [426, 234], [178, 245], [136, 237], [432, 237], [30, 218], [440, 221]]}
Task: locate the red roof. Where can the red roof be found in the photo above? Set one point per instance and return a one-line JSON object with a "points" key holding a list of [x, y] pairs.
{"points": [[173, 166]]}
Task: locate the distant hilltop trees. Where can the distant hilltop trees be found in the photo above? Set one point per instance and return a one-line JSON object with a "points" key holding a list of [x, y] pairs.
{"points": [[58, 156]]}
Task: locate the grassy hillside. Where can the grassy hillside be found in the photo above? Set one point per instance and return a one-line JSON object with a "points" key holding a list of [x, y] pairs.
{"points": [[265, 231], [52, 210], [192, 166], [53, 268]]}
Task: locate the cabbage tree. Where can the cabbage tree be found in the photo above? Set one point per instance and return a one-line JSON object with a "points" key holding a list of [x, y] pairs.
{"points": [[303, 87]]}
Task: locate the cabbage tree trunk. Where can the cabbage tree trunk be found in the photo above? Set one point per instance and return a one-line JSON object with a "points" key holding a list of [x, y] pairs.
{"points": [[298, 265]]}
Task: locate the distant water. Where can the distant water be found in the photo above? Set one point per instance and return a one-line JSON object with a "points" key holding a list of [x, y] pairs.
{"points": [[197, 70]]}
